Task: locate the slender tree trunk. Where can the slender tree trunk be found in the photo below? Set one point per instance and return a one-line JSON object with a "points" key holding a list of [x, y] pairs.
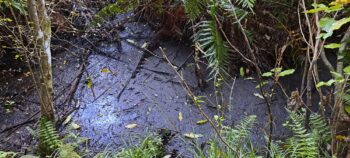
{"points": [[42, 32]]}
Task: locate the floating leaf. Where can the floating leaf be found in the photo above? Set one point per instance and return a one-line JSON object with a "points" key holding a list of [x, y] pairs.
{"points": [[89, 82], [131, 41], [286, 72], [332, 45], [68, 119], [144, 45], [105, 70], [192, 135], [167, 156], [258, 95], [131, 126], [201, 122], [180, 116], [75, 126]]}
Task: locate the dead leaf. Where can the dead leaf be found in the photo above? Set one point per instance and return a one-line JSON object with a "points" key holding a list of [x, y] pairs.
{"points": [[68, 119], [192, 135], [131, 126], [180, 116], [201, 122], [105, 70], [75, 126]]}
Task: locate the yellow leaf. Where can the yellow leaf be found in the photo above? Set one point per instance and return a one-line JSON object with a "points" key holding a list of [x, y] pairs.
{"points": [[131, 126], [180, 116], [89, 82], [201, 122], [105, 70], [343, 1]]}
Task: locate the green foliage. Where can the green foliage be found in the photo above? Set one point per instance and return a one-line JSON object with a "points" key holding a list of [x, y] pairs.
{"points": [[305, 143], [194, 8], [150, 147], [4, 154], [48, 137], [215, 48], [238, 138], [16, 4], [120, 6]]}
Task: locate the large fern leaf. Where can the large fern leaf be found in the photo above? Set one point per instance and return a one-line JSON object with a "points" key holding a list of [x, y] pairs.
{"points": [[215, 48]]}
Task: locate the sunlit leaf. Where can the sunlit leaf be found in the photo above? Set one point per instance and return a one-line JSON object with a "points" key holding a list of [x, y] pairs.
{"points": [[286, 72], [267, 74], [332, 45], [347, 70]]}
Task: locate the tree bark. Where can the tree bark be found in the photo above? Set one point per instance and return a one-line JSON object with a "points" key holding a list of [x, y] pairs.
{"points": [[42, 33]]}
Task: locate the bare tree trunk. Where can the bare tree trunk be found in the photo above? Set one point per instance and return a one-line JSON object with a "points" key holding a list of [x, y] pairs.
{"points": [[42, 33]]}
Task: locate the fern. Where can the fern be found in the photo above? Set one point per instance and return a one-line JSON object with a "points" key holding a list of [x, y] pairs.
{"points": [[48, 137], [305, 143], [194, 7], [238, 138], [248, 4], [215, 48], [233, 12]]}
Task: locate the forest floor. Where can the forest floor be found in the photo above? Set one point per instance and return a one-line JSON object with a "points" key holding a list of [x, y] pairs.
{"points": [[120, 87]]}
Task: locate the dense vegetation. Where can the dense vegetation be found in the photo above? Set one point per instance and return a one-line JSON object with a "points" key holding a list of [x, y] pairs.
{"points": [[266, 40]]}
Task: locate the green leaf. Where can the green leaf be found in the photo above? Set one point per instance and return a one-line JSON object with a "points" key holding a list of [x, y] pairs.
{"points": [[241, 71], [340, 23], [347, 109], [267, 74], [286, 72], [332, 45], [347, 70], [328, 83]]}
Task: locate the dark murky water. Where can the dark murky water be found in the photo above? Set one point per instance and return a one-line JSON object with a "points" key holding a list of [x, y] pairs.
{"points": [[152, 98]]}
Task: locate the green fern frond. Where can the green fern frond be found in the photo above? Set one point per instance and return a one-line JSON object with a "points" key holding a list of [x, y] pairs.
{"points": [[48, 137], [215, 48], [194, 7], [304, 143], [248, 4], [233, 12]]}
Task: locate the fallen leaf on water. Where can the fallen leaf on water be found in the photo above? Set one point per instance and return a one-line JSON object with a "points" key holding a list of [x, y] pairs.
{"points": [[131, 126], [75, 126], [201, 122], [180, 116], [192, 135], [144, 45], [105, 70], [167, 156], [69, 117], [89, 82], [131, 41]]}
